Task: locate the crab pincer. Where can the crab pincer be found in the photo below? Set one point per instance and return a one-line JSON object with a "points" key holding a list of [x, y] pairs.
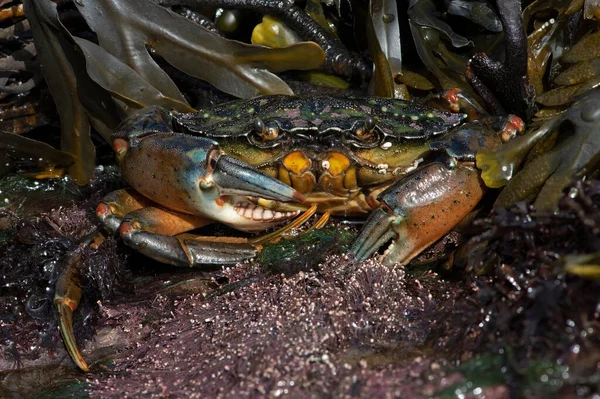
{"points": [[418, 210], [424, 205]]}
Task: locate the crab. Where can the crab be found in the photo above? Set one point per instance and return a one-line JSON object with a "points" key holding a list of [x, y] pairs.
{"points": [[255, 164]]}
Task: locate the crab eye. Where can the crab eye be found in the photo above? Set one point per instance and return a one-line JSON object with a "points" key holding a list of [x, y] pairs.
{"points": [[265, 134], [259, 126], [364, 134], [365, 131], [266, 131]]}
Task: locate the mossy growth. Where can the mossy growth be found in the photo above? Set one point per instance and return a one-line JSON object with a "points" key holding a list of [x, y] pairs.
{"points": [[306, 251]]}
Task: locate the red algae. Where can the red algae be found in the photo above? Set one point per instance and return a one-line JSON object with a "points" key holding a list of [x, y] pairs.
{"points": [[342, 331]]}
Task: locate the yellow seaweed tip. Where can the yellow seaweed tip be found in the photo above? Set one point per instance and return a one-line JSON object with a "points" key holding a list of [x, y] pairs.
{"points": [[272, 32]]}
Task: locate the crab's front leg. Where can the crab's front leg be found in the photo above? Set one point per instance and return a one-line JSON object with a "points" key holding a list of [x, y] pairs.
{"points": [[418, 210], [161, 234]]}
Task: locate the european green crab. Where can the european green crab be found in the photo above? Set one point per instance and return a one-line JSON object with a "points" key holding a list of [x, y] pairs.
{"points": [[258, 163]]}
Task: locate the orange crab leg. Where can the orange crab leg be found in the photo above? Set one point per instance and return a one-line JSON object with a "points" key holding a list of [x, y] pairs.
{"points": [[67, 296], [114, 206], [157, 234], [160, 235]]}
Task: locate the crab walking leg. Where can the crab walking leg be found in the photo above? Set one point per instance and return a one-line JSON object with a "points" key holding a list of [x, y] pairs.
{"points": [[156, 233], [114, 206], [277, 234], [418, 210], [67, 295]]}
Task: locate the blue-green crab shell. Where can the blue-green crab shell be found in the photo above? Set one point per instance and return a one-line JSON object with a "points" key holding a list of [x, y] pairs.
{"points": [[320, 115]]}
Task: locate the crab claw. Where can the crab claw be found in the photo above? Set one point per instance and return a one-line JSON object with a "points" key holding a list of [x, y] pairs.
{"points": [[234, 177], [376, 232], [418, 210], [190, 174], [155, 124]]}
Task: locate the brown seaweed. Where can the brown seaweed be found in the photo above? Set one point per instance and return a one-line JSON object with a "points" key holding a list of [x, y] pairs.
{"points": [[559, 157], [53, 51], [124, 29]]}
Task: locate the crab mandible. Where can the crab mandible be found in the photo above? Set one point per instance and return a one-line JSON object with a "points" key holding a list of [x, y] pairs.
{"points": [[257, 163]]}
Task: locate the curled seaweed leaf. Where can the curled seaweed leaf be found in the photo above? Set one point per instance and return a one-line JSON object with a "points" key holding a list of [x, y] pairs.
{"points": [[551, 50], [539, 52], [124, 29], [80, 101], [586, 49], [579, 73], [22, 60], [44, 153], [391, 78], [272, 32], [500, 165], [478, 12], [122, 81], [582, 265], [559, 96], [383, 32], [447, 67], [315, 10]]}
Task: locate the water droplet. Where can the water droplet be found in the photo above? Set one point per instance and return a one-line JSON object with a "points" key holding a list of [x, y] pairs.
{"points": [[590, 112], [387, 18]]}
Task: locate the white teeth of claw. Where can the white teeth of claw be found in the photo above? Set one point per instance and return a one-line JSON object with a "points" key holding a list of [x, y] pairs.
{"points": [[251, 211], [258, 213]]}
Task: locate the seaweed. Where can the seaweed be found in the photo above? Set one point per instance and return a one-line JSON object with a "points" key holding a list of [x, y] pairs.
{"points": [[62, 81], [124, 29], [559, 155]]}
